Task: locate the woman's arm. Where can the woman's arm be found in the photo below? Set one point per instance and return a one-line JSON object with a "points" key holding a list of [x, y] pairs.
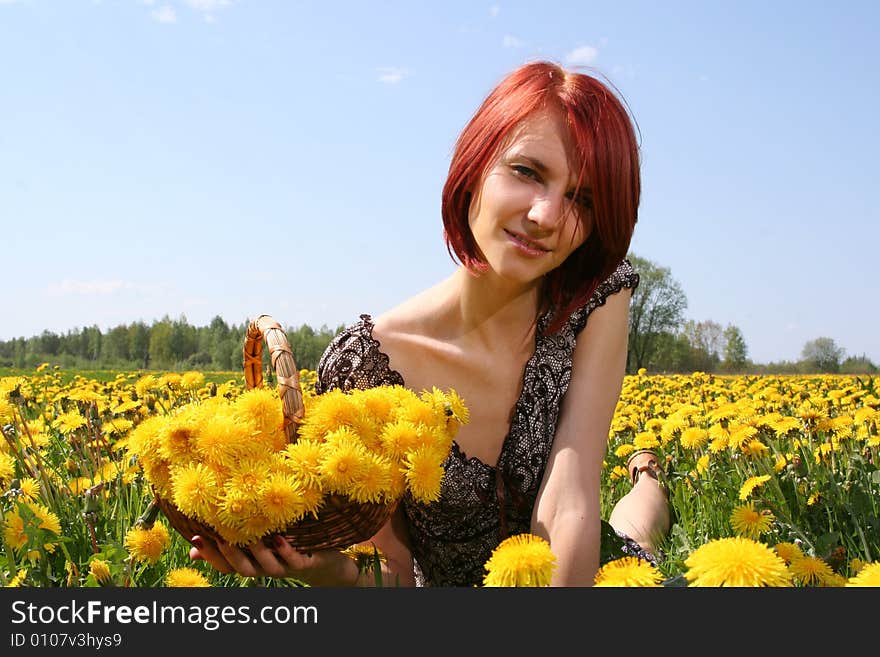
{"points": [[567, 511], [319, 568]]}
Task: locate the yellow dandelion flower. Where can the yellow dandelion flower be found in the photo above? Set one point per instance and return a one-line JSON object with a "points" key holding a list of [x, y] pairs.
{"points": [[373, 481], [280, 499], [748, 521], [14, 530], [630, 572], [194, 490], [780, 463], [415, 410], [48, 520], [222, 437], [740, 435], [785, 425], [313, 500], [145, 438], [869, 575], [30, 489], [645, 440], [247, 474], [751, 484], [234, 506], [424, 471], [19, 579], [158, 473], [703, 464], [855, 565], [810, 571], [262, 407], [735, 562], [328, 412], [255, 527], [67, 423], [7, 468], [192, 380], [147, 544], [521, 560], [834, 580], [125, 407], [341, 462], [100, 570], [186, 577], [377, 404], [755, 448], [304, 461], [694, 437], [399, 437], [364, 555], [116, 427], [458, 406], [788, 551], [865, 414]]}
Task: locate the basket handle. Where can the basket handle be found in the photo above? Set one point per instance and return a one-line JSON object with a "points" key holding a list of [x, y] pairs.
{"points": [[265, 328]]}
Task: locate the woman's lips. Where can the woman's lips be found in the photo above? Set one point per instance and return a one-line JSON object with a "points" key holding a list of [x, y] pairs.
{"points": [[525, 245]]}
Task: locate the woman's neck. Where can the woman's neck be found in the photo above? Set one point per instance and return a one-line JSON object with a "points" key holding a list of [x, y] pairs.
{"points": [[490, 312]]}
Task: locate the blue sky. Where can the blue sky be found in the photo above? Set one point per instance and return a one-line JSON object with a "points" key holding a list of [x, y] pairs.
{"points": [[238, 157]]}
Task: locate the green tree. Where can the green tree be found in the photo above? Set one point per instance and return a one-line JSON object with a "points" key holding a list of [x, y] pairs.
{"points": [[139, 343], [116, 344], [858, 365], [161, 354], [657, 307], [735, 349], [822, 355]]}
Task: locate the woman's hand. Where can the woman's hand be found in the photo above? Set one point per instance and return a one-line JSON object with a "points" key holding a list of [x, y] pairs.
{"points": [[319, 568]]}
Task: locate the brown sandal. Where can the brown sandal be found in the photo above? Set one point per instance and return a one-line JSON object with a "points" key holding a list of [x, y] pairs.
{"points": [[652, 467]]}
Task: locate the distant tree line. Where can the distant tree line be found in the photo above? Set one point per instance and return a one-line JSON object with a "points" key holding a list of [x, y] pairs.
{"points": [[167, 344], [661, 340]]}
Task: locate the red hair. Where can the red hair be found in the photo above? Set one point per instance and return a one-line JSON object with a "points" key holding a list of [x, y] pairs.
{"points": [[605, 153]]}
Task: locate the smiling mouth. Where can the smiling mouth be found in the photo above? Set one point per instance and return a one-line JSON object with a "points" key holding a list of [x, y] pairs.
{"points": [[526, 243]]}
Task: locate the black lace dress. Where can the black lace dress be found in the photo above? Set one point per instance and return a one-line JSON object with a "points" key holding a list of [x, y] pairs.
{"points": [[479, 504]]}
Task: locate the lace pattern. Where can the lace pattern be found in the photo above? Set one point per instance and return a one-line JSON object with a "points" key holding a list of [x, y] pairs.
{"points": [[479, 504]]}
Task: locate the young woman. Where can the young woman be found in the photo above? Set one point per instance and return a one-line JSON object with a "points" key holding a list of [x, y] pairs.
{"points": [[539, 208]]}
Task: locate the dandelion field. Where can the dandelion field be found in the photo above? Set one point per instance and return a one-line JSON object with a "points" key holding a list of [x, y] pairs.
{"points": [[788, 466]]}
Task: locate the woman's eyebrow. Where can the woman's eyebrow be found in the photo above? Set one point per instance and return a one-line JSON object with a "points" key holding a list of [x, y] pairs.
{"points": [[537, 164]]}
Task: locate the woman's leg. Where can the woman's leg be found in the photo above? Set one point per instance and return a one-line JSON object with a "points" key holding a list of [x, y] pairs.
{"points": [[643, 513]]}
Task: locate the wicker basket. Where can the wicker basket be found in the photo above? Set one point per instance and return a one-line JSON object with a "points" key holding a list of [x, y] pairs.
{"points": [[341, 522]]}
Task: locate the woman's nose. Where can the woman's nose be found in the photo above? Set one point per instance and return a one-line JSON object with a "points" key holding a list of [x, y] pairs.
{"points": [[546, 210]]}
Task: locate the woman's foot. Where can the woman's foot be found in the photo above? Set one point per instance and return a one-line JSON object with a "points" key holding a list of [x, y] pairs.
{"points": [[643, 513], [645, 461]]}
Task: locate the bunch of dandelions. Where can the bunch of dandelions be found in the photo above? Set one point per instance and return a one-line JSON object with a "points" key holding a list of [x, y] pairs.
{"points": [[227, 463], [521, 560]]}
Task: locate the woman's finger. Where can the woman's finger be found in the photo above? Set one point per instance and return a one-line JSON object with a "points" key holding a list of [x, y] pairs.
{"points": [[239, 560], [268, 560], [205, 550]]}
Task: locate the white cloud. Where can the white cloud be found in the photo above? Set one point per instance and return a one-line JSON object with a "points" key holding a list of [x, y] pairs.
{"points": [[165, 14], [494, 10], [392, 75], [583, 55], [510, 41]]}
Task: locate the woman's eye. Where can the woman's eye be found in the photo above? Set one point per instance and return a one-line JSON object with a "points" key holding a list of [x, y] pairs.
{"points": [[523, 170], [582, 200]]}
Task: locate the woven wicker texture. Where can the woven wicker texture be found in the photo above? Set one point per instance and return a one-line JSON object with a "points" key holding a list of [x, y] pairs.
{"points": [[341, 522]]}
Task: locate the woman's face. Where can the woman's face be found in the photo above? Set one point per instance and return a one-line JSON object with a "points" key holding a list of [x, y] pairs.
{"points": [[527, 216]]}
